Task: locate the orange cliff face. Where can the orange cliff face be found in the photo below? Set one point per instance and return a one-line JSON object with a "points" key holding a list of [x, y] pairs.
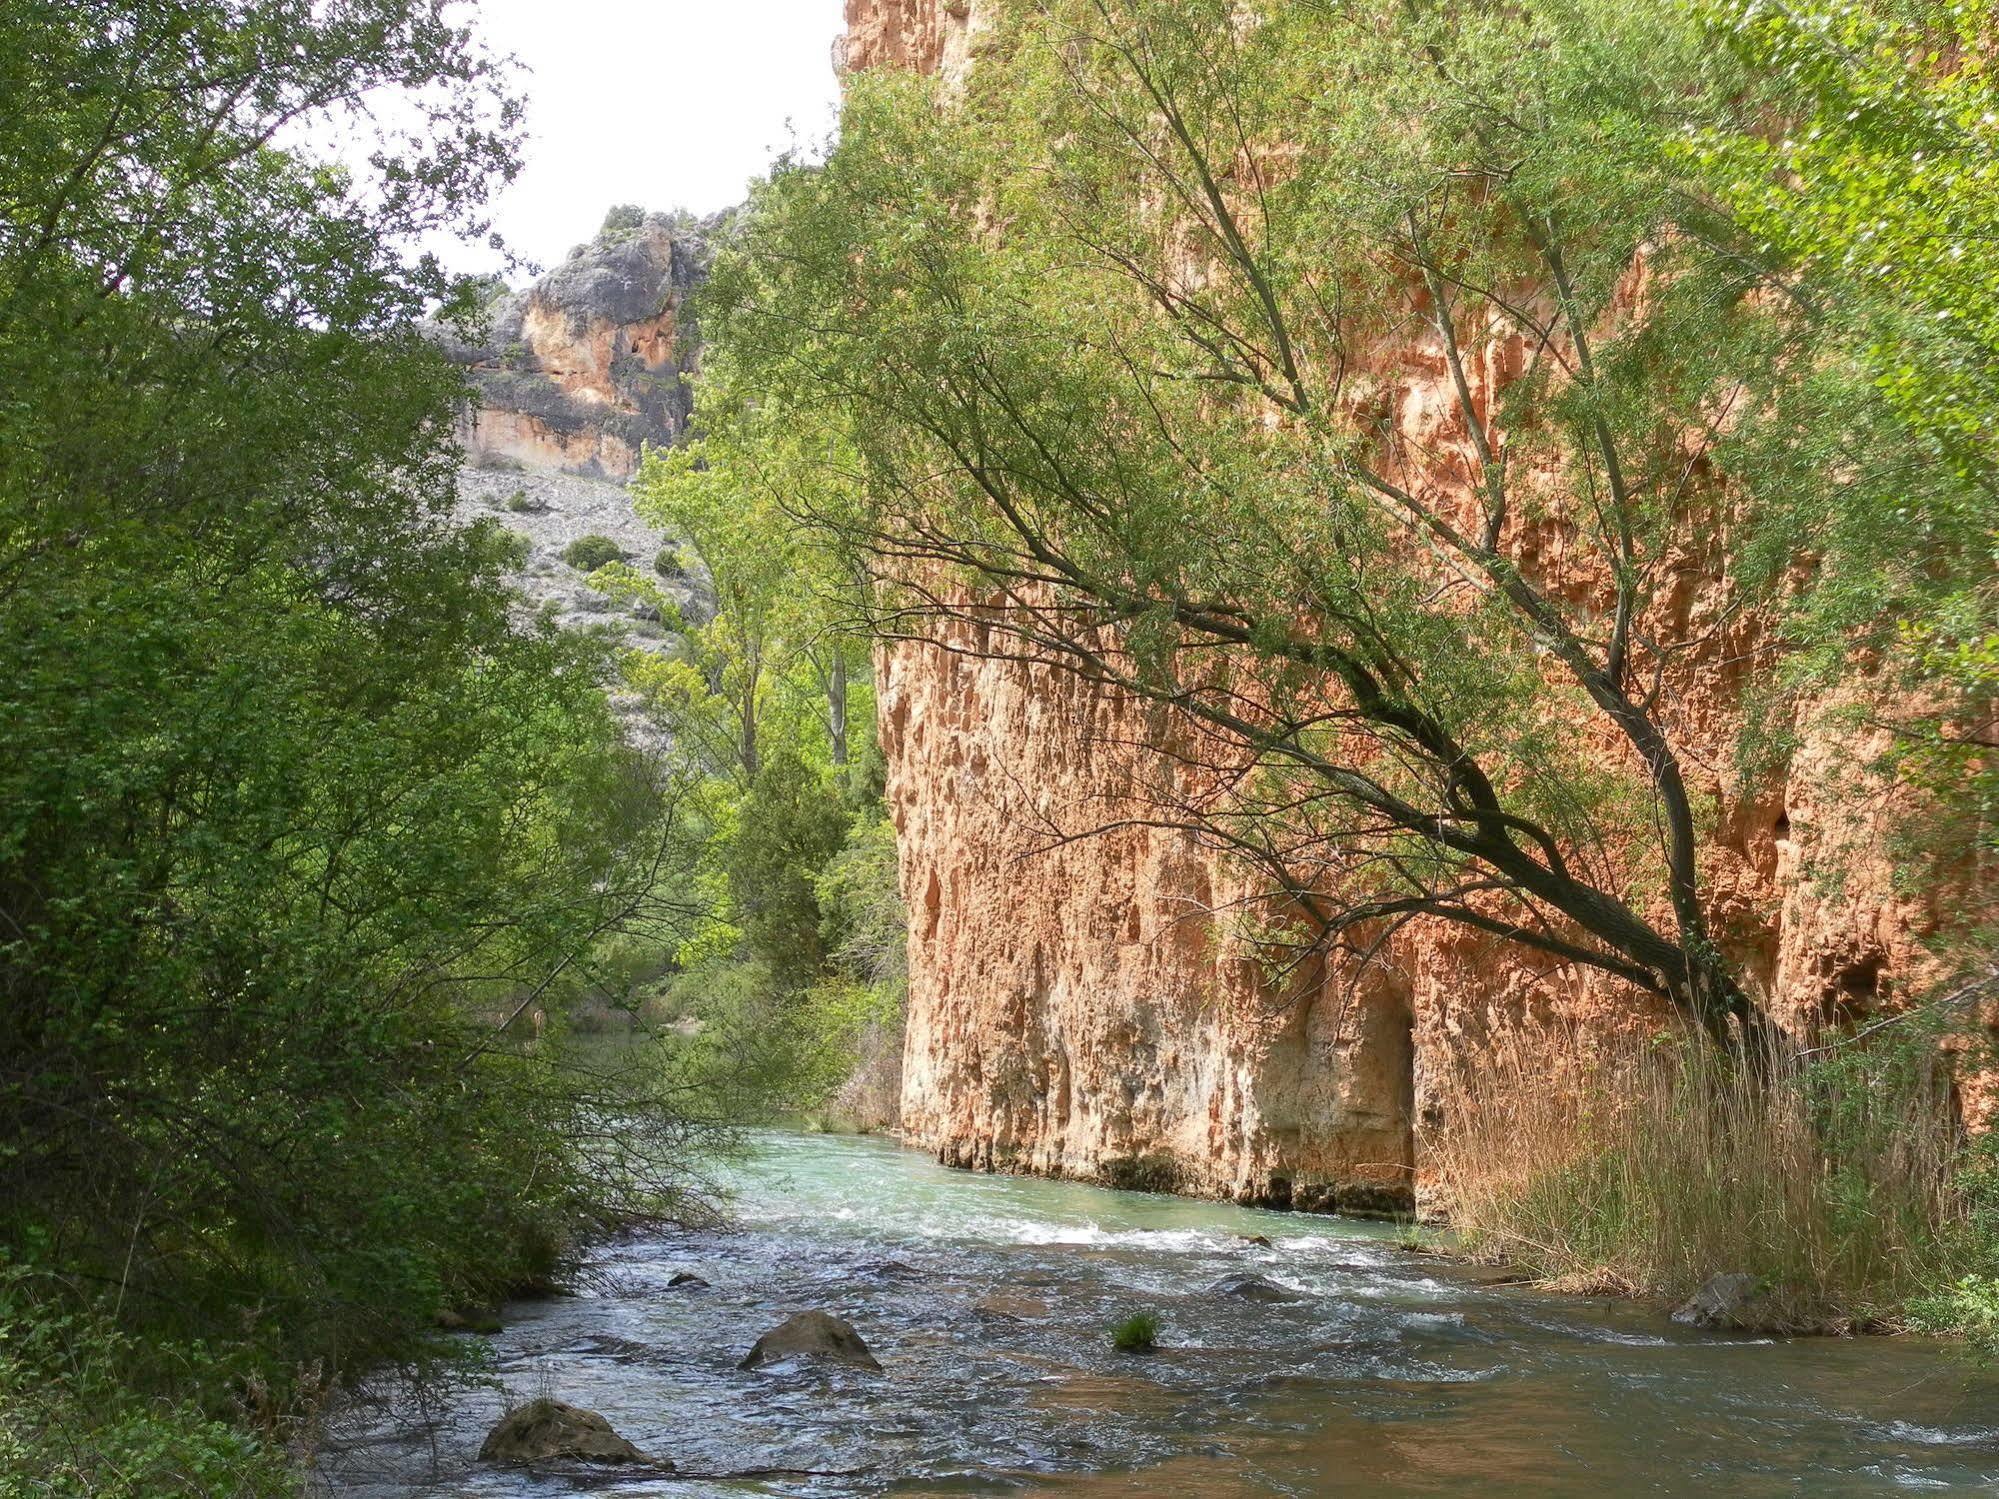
{"points": [[1073, 1008], [579, 372]]}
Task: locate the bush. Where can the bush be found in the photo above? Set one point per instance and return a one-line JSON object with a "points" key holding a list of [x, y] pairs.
{"points": [[622, 219], [588, 553], [668, 563], [74, 1426], [1138, 1333], [519, 503]]}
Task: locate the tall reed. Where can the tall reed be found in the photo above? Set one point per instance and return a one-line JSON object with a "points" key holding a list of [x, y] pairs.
{"points": [[1834, 1177]]}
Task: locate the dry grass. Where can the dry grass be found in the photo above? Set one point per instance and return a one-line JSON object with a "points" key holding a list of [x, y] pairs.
{"points": [[1645, 1169]]}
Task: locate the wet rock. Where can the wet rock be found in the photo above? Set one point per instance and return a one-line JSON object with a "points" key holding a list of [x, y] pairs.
{"points": [[483, 1319], [686, 1280], [890, 1270], [814, 1335], [1260, 1241], [1728, 1300], [548, 1430], [1490, 1275], [1004, 1307], [1253, 1288]]}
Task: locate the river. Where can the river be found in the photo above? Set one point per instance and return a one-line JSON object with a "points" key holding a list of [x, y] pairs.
{"points": [[1390, 1374]]}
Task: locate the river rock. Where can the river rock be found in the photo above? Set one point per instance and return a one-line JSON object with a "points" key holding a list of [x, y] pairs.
{"points": [[1002, 1306], [1731, 1300], [468, 1318], [687, 1280], [1259, 1241], [545, 1430], [814, 1335], [1253, 1288]]}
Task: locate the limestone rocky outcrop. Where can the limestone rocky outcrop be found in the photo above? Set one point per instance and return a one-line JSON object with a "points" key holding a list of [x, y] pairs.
{"points": [[815, 1335], [548, 1430], [576, 373], [1073, 1010], [572, 377]]}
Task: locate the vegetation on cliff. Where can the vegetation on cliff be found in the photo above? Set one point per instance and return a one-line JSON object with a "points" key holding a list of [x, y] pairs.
{"points": [[1427, 406], [294, 815]]}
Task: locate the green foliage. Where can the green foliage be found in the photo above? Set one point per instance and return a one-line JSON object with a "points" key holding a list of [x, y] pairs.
{"points": [[786, 830], [588, 553], [1080, 364], [1138, 1333], [519, 503], [668, 563], [621, 219], [1062, 442], [73, 1427], [294, 817], [1880, 196]]}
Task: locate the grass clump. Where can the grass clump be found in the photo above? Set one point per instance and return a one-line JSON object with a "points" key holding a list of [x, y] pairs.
{"points": [[1839, 1177], [1138, 1333], [588, 553]]}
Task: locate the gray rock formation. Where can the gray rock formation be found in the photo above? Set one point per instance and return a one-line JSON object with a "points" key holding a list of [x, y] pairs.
{"points": [[577, 373], [549, 1430], [812, 1335]]}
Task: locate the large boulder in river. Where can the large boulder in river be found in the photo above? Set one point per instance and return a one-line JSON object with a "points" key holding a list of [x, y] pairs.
{"points": [[1254, 1288], [548, 1430], [814, 1335], [1730, 1300]]}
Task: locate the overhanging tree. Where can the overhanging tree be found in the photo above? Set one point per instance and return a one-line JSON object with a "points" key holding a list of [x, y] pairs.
{"points": [[1364, 386]]}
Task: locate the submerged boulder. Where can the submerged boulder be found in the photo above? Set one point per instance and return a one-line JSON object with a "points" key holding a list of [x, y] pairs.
{"points": [[1728, 1300], [1003, 1306], [889, 1270], [1254, 1288], [547, 1430], [814, 1335], [686, 1280]]}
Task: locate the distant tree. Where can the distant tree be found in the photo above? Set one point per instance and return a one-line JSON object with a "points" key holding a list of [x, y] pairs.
{"points": [[623, 218], [588, 553]]}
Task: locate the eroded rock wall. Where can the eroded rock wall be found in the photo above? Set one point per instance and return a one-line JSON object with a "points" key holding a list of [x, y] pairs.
{"points": [[577, 373], [1075, 1005]]}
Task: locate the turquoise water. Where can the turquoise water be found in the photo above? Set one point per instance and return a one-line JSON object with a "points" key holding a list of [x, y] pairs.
{"points": [[1388, 1375]]}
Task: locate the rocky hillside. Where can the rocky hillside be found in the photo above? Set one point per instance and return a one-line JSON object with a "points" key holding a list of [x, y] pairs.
{"points": [[575, 375]]}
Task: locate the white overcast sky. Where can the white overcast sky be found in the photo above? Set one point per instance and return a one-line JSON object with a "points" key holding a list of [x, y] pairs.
{"points": [[663, 103]]}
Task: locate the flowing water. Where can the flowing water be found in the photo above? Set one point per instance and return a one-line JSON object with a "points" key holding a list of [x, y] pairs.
{"points": [[1388, 1375]]}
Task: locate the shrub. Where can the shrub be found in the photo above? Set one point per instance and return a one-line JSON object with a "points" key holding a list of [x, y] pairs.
{"points": [[77, 1425], [668, 563], [1138, 1333], [588, 553], [519, 503], [622, 218]]}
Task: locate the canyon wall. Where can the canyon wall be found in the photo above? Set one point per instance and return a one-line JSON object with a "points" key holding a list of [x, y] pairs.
{"points": [[1076, 1006], [577, 372]]}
